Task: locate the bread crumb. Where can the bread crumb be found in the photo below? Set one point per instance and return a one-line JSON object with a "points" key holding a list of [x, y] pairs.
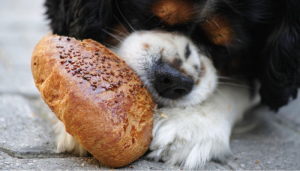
{"points": [[257, 161], [160, 112], [163, 115]]}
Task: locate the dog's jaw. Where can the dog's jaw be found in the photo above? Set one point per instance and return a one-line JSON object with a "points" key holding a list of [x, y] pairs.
{"points": [[143, 50]]}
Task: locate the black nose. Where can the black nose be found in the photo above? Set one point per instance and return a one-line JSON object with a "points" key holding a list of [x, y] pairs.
{"points": [[170, 83]]}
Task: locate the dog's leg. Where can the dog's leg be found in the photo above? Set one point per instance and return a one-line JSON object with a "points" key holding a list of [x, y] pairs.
{"points": [[66, 143], [193, 136]]}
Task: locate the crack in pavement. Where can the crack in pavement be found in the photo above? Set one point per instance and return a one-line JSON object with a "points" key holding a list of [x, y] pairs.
{"points": [[33, 154]]}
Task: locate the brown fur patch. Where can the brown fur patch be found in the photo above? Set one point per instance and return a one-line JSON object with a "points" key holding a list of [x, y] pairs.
{"points": [[146, 45], [203, 70], [174, 11], [162, 51], [177, 62], [183, 71], [218, 30]]}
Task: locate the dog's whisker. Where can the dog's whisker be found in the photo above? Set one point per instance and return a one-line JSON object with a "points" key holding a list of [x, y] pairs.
{"points": [[237, 85], [227, 78], [209, 23], [121, 33], [124, 17], [114, 48], [114, 36], [228, 50], [159, 23], [222, 94], [216, 23], [121, 24], [149, 18]]}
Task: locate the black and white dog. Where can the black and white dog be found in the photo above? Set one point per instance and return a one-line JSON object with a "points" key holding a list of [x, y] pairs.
{"points": [[181, 49]]}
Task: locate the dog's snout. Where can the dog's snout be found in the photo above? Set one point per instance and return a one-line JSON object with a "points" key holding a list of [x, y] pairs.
{"points": [[170, 83]]}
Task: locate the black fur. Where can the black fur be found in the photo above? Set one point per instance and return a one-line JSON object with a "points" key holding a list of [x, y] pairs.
{"points": [[266, 42]]}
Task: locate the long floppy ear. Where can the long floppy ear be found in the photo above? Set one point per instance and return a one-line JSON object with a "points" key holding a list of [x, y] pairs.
{"points": [[81, 18], [281, 58]]}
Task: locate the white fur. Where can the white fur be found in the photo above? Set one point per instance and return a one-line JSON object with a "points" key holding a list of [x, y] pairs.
{"points": [[199, 124], [66, 143]]}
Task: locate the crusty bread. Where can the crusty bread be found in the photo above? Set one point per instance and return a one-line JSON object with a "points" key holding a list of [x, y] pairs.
{"points": [[101, 101]]}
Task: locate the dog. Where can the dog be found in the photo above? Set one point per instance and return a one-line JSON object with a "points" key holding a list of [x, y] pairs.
{"points": [[185, 51]]}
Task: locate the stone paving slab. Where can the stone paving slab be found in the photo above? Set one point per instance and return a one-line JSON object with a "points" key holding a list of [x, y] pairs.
{"points": [[269, 146], [22, 131], [81, 163], [290, 115], [22, 26], [72, 163]]}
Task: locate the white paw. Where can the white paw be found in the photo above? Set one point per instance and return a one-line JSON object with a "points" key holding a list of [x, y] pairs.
{"points": [[190, 137], [66, 143]]}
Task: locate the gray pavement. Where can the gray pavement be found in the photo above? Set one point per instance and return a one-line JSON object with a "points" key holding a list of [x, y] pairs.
{"points": [[27, 140]]}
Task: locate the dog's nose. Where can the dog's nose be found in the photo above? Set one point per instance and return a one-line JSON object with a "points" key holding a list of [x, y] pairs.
{"points": [[170, 83]]}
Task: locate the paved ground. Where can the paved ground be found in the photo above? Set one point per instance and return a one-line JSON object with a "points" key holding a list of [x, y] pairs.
{"points": [[27, 138]]}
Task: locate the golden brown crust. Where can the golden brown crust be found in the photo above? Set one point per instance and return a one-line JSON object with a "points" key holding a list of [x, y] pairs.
{"points": [[101, 101]]}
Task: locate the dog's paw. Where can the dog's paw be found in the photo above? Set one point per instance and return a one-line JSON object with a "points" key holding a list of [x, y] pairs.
{"points": [[66, 143], [189, 138]]}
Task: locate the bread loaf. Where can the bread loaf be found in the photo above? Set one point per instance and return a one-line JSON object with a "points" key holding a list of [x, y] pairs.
{"points": [[101, 101]]}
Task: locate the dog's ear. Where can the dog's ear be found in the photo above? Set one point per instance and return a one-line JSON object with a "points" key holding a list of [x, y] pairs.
{"points": [[281, 58], [81, 18]]}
